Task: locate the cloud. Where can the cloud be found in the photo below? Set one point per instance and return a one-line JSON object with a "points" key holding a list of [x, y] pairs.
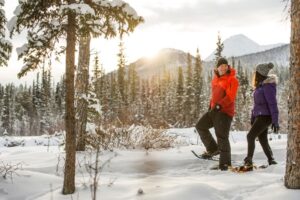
{"points": [[203, 14]]}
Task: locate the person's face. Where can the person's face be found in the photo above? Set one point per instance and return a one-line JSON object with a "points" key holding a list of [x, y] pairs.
{"points": [[222, 69]]}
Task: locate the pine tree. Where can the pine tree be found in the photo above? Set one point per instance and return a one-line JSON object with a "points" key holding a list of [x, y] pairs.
{"points": [[5, 45], [36, 98], [45, 22], [114, 99], [179, 97], [45, 114], [242, 118], [97, 74], [82, 83], [5, 118], [121, 73], [220, 47], [1, 107], [12, 105], [197, 85], [188, 98], [233, 62], [133, 79]]}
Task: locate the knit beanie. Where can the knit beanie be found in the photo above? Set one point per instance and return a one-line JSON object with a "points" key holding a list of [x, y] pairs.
{"points": [[263, 69], [222, 61]]}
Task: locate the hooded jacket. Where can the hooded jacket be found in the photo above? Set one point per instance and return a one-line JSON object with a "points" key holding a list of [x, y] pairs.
{"points": [[265, 102], [224, 89]]}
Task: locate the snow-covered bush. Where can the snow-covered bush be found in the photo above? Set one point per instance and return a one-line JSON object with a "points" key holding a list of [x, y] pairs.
{"points": [[131, 138]]}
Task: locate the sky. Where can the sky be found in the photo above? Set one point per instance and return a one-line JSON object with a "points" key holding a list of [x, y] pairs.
{"points": [[181, 24]]}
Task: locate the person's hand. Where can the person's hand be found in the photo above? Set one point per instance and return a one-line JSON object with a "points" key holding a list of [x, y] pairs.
{"points": [[275, 128]]}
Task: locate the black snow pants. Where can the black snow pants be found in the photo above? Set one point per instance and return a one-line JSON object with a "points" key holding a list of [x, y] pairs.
{"points": [[221, 123], [260, 129]]}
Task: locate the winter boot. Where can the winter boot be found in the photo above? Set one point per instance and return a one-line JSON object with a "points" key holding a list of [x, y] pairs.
{"points": [[248, 162], [272, 162], [209, 155], [223, 167]]}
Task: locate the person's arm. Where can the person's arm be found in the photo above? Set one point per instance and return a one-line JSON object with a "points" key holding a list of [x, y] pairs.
{"points": [[270, 95], [231, 92]]}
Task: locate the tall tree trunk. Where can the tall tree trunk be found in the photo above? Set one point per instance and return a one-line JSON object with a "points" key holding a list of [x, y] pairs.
{"points": [[69, 176], [82, 83], [292, 174]]}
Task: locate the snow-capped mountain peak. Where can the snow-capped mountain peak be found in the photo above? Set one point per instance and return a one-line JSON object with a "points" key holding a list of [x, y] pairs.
{"points": [[240, 44]]}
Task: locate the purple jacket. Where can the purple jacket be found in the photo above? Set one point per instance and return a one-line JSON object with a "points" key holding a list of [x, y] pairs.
{"points": [[265, 102]]}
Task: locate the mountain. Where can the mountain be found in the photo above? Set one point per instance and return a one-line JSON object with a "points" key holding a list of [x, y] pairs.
{"points": [[239, 45], [279, 56], [166, 59], [171, 59]]}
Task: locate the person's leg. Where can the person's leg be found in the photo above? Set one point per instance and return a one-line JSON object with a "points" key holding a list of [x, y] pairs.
{"points": [[222, 123], [259, 126], [263, 139], [203, 126]]}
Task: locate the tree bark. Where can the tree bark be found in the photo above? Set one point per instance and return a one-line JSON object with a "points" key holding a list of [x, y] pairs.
{"points": [[82, 83], [292, 174], [69, 175]]}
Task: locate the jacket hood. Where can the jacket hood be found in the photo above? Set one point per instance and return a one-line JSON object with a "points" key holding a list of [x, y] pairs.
{"points": [[272, 78]]}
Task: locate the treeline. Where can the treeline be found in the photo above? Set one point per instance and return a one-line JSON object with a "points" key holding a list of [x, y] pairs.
{"points": [[162, 101]]}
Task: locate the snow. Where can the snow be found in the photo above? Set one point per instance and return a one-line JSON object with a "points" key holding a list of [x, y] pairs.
{"points": [[157, 174], [118, 3], [11, 23], [21, 50], [80, 8], [18, 10], [91, 128]]}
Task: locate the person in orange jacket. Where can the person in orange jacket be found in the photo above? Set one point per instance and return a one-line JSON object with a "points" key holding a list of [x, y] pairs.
{"points": [[221, 111]]}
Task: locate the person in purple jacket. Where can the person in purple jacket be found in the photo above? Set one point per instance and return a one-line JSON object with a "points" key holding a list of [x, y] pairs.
{"points": [[264, 113]]}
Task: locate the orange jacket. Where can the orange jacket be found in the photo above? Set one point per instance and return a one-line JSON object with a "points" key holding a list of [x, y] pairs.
{"points": [[224, 89]]}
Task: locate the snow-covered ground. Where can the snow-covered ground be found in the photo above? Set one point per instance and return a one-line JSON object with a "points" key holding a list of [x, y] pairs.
{"points": [[160, 174]]}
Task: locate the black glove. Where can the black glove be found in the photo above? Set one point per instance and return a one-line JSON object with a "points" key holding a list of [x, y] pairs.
{"points": [[217, 108], [275, 128]]}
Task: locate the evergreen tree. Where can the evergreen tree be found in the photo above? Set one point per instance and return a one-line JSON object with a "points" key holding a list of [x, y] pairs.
{"points": [[82, 83], [121, 73], [5, 118], [133, 80], [45, 22], [220, 47], [179, 97], [188, 98], [198, 85], [44, 110], [243, 100], [5, 45], [97, 74], [233, 62]]}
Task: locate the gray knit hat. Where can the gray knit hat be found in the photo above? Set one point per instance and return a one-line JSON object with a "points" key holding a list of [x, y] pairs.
{"points": [[263, 69]]}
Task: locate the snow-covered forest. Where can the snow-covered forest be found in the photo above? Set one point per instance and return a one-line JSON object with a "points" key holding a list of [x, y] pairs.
{"points": [[126, 99], [125, 134]]}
